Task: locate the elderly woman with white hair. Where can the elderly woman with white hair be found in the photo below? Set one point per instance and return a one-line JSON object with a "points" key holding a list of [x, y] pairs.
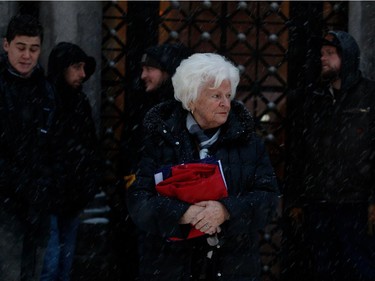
{"points": [[204, 121]]}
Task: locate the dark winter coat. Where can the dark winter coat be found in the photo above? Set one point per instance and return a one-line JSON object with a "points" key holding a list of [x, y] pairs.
{"points": [[166, 58], [333, 160], [78, 146], [131, 141], [28, 171], [252, 195], [78, 152]]}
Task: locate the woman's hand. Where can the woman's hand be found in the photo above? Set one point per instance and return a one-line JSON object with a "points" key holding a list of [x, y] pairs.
{"points": [[211, 217], [190, 214]]}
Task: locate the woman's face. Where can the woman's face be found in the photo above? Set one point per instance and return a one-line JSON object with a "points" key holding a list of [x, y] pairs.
{"points": [[211, 108]]}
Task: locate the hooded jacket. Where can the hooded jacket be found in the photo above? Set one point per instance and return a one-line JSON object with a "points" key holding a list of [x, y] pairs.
{"points": [[28, 171], [334, 160], [166, 57], [77, 140], [252, 193]]}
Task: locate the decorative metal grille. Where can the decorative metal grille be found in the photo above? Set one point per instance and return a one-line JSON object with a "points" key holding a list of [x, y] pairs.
{"points": [[335, 15], [113, 79], [254, 35]]}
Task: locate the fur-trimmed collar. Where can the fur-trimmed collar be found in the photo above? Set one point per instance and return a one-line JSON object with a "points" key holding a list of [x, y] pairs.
{"points": [[170, 116]]}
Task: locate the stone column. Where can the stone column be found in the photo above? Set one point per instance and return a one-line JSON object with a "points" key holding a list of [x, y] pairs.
{"points": [[78, 22], [361, 27], [7, 10]]}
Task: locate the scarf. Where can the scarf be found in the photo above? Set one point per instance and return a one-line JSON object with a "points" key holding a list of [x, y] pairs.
{"points": [[206, 138]]}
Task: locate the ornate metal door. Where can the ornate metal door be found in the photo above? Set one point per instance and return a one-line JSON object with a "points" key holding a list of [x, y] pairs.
{"points": [[270, 42]]}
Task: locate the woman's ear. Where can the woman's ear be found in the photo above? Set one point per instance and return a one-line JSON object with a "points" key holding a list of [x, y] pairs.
{"points": [[191, 107]]}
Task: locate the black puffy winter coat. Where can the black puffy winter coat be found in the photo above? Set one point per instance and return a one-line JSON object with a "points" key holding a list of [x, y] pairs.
{"points": [[28, 170], [78, 152], [252, 195]]}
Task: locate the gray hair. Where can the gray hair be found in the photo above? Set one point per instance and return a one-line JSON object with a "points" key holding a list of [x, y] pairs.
{"points": [[197, 71]]}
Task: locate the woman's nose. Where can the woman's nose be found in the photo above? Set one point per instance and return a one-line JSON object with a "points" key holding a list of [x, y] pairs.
{"points": [[225, 101]]}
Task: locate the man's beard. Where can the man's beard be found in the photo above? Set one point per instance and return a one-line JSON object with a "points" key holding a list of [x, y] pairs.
{"points": [[330, 75]]}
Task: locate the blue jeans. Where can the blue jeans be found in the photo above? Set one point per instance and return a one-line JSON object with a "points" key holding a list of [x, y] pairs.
{"points": [[59, 255]]}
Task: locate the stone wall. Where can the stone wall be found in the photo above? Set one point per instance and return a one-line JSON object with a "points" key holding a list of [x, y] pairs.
{"points": [[361, 27]]}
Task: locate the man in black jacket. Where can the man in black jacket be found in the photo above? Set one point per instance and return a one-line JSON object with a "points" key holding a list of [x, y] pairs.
{"points": [[68, 68], [27, 157], [158, 64], [331, 187]]}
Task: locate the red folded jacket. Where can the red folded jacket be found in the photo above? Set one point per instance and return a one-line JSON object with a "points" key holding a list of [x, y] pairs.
{"points": [[192, 183]]}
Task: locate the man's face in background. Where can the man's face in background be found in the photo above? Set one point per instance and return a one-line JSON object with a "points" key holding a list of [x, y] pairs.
{"points": [[75, 74], [153, 77], [331, 62]]}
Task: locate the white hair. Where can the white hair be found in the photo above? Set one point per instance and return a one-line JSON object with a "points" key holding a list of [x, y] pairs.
{"points": [[198, 71]]}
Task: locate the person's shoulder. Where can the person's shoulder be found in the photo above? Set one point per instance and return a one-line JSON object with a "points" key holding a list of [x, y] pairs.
{"points": [[240, 119], [365, 87], [46, 88], [84, 103], [160, 113], [239, 109], [82, 97], [368, 82], [163, 108], [49, 86]]}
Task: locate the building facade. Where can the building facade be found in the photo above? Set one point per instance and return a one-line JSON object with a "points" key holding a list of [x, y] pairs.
{"points": [[272, 43]]}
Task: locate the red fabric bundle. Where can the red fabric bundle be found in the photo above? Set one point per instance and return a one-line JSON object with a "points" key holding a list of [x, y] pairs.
{"points": [[192, 183]]}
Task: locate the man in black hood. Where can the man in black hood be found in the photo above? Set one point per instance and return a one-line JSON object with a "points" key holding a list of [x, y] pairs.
{"points": [[158, 64], [331, 186], [68, 68], [66, 55]]}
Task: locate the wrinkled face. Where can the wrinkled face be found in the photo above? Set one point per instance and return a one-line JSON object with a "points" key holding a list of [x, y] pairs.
{"points": [[153, 77], [331, 62], [23, 53], [75, 74], [211, 108]]}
